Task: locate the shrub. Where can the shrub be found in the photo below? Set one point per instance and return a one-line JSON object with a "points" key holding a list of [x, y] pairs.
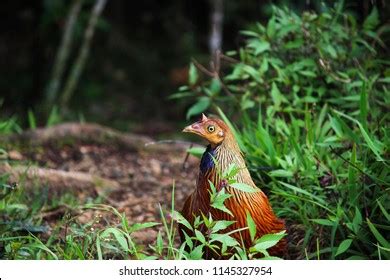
{"points": [[309, 95]]}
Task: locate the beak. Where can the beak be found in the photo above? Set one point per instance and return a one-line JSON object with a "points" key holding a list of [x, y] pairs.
{"points": [[193, 128], [187, 129]]}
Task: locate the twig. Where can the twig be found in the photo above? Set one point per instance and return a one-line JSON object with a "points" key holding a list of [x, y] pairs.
{"points": [[224, 87], [78, 66], [203, 69], [229, 59], [212, 74], [63, 52]]}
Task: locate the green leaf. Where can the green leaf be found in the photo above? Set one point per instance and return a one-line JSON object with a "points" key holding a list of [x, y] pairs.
{"points": [[294, 44], [271, 27], [215, 86], [54, 117], [180, 95], [302, 191], [308, 73], [259, 46], [178, 217], [159, 243], [384, 80], [221, 225], [379, 237], [346, 130], [192, 75], [264, 66], [357, 220], [281, 173], [323, 222], [244, 187], [266, 142], [335, 124], [43, 247], [277, 97], [200, 237], [99, 249], [197, 253], [218, 200], [363, 108], [31, 119], [140, 226], [267, 241], [331, 50], [351, 169], [231, 171], [224, 239], [119, 236], [376, 149], [196, 151], [384, 211], [352, 176], [253, 72], [246, 102], [248, 33], [188, 240], [372, 20], [199, 107], [251, 225], [344, 246]]}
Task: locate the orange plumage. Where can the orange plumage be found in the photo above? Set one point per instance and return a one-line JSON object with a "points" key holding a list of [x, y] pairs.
{"points": [[224, 148]]}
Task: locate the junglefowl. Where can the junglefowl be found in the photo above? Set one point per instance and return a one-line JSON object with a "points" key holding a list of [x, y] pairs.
{"points": [[223, 150]]}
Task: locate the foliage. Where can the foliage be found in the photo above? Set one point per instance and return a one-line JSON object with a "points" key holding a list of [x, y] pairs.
{"points": [[23, 235], [216, 238], [313, 100]]}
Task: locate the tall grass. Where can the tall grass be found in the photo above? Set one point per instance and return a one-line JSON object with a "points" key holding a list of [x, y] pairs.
{"points": [[310, 101]]}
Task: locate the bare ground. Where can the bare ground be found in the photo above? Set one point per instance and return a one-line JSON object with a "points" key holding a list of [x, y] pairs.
{"points": [[145, 177]]}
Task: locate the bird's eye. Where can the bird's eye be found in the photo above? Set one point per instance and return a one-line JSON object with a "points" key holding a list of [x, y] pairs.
{"points": [[211, 128]]}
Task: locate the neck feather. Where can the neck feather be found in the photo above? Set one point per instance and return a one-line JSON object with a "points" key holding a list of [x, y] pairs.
{"points": [[225, 154]]}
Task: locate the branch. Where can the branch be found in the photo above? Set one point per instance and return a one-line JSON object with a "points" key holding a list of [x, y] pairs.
{"points": [[63, 52], [213, 74], [78, 66]]}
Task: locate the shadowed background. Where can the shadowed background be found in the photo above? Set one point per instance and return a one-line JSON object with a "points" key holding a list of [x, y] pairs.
{"points": [[138, 57]]}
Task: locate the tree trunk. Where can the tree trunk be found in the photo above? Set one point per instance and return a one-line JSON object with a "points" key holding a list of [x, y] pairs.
{"points": [[215, 40]]}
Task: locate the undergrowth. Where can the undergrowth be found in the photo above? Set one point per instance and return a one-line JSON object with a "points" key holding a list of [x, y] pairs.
{"points": [[28, 230], [25, 235], [309, 96]]}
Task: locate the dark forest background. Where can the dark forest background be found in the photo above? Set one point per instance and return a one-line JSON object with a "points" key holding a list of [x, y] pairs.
{"points": [[138, 57]]}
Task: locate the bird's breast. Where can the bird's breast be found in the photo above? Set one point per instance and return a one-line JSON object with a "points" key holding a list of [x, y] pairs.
{"points": [[207, 161]]}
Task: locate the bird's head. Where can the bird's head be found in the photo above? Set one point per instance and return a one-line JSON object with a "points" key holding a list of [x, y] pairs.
{"points": [[213, 130]]}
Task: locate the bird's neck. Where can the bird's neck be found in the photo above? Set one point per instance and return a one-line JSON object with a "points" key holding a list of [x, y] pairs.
{"points": [[217, 159]]}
